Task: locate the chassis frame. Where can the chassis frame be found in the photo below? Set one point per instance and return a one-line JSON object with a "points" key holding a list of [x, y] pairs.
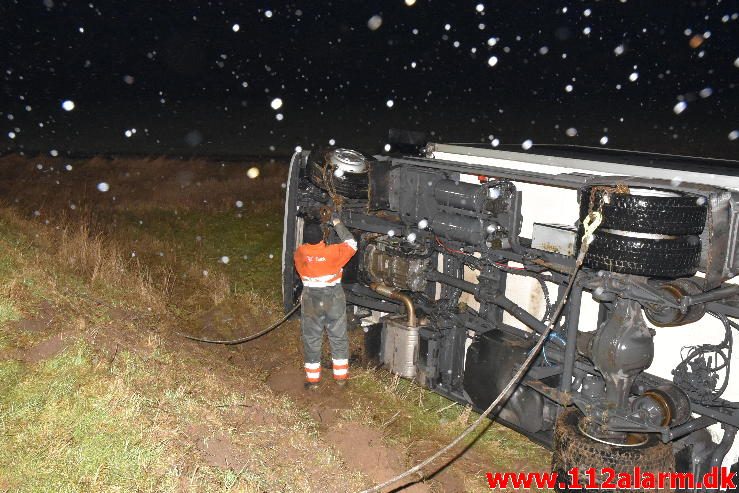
{"points": [[554, 382]]}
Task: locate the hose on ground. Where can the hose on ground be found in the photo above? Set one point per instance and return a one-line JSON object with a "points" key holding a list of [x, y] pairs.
{"points": [[504, 393], [231, 342]]}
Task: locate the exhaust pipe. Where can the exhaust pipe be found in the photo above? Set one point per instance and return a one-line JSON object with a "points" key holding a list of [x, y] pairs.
{"points": [[395, 294]]}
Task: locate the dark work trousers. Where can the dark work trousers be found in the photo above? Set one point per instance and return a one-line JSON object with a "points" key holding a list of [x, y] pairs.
{"points": [[324, 308]]}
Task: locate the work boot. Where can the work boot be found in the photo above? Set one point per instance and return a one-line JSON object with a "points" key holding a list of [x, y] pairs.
{"points": [[312, 375], [311, 386]]}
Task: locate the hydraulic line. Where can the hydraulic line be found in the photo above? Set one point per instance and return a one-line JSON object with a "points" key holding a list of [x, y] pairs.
{"points": [[231, 342], [590, 224]]}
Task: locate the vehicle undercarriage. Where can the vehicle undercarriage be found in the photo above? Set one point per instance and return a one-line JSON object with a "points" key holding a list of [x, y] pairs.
{"points": [[439, 243]]}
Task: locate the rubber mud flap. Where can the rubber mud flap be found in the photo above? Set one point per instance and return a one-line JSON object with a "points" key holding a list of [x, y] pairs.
{"points": [[682, 215], [573, 449], [651, 257]]}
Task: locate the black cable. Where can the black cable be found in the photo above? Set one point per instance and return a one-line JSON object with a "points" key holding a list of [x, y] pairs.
{"points": [[231, 342], [549, 308], [547, 301], [476, 263], [697, 373]]}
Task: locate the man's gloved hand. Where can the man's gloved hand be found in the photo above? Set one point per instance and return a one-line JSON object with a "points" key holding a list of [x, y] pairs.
{"points": [[335, 218]]}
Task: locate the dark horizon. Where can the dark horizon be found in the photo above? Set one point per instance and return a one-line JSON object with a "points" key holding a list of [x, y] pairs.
{"points": [[201, 79]]}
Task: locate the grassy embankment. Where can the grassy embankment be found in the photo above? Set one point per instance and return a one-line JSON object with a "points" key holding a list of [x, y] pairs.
{"points": [[95, 391]]}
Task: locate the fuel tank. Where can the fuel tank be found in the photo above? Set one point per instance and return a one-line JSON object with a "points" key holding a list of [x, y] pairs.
{"points": [[492, 359]]}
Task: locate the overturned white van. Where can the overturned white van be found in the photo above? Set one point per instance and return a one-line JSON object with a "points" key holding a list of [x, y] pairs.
{"points": [[464, 252]]}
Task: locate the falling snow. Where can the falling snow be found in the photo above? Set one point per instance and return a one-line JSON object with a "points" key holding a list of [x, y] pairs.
{"points": [[694, 60], [680, 107], [374, 22]]}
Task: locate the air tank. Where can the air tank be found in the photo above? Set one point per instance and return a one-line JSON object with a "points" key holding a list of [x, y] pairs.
{"points": [[467, 229], [461, 195]]}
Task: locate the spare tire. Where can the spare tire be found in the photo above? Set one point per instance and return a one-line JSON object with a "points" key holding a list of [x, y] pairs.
{"points": [[649, 211], [644, 256], [573, 449], [343, 171]]}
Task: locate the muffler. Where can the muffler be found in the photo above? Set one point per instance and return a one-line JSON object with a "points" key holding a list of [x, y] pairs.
{"points": [[400, 337]]}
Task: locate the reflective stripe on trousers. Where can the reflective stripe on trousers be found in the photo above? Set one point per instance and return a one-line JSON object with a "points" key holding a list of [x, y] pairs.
{"points": [[313, 372], [341, 369]]}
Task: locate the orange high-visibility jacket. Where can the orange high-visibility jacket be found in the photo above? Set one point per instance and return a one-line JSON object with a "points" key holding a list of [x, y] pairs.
{"points": [[320, 265]]}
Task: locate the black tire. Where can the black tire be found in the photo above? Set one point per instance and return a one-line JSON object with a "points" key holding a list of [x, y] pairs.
{"points": [[683, 215], [573, 449], [665, 258], [349, 185]]}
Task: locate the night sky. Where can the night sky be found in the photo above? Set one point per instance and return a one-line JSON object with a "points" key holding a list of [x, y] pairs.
{"points": [[181, 77]]}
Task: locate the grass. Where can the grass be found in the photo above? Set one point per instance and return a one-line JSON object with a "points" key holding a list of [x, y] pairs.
{"points": [[66, 432], [421, 413], [125, 407], [120, 410], [247, 250]]}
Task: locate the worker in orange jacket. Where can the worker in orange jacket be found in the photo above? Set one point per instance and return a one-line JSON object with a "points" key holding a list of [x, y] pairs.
{"points": [[323, 304]]}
